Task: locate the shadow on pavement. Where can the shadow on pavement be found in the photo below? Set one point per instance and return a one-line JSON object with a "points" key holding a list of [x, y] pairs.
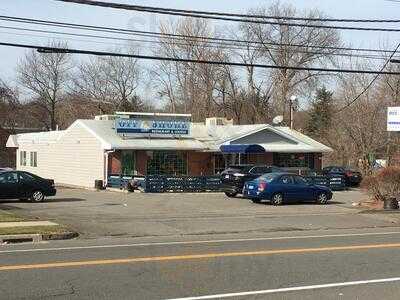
{"points": [[45, 201], [64, 200]]}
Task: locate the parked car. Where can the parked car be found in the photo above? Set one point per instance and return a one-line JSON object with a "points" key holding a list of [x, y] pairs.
{"points": [[280, 188], [234, 177], [352, 178], [24, 185]]}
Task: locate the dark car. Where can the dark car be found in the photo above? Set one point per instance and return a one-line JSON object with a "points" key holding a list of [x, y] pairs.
{"points": [[24, 185], [234, 177], [280, 188], [352, 178]]}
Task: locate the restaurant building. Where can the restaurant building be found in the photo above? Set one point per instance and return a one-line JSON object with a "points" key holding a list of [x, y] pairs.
{"points": [[140, 144]]}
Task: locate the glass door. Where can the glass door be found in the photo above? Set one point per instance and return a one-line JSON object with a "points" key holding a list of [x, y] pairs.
{"points": [[128, 163]]}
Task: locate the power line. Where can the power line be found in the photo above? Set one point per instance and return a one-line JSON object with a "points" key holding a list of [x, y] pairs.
{"points": [[215, 13], [371, 83], [173, 36], [218, 46], [169, 12], [43, 49]]}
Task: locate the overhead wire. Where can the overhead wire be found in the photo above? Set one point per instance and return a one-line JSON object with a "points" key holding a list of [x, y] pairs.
{"points": [[245, 15], [159, 10], [371, 82], [175, 36], [218, 46], [43, 49]]}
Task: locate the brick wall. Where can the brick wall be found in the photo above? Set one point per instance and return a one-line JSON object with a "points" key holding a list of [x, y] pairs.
{"points": [[261, 158], [141, 162], [114, 162], [317, 161], [200, 163]]}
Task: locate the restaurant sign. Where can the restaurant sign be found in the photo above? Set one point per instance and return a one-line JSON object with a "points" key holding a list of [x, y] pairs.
{"points": [[156, 127], [393, 119]]}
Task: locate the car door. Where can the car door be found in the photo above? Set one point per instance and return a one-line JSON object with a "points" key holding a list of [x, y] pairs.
{"points": [[9, 185], [27, 184], [303, 190], [287, 187]]}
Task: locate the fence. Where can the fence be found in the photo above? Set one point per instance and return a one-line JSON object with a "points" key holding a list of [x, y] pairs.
{"points": [[201, 184], [335, 183], [182, 184]]}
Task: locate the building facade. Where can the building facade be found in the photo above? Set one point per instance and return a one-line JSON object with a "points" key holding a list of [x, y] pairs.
{"points": [[140, 144]]}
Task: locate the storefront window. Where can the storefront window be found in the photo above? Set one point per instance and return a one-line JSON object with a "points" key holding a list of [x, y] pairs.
{"points": [[167, 163], [219, 163], [128, 163], [223, 161], [294, 160]]}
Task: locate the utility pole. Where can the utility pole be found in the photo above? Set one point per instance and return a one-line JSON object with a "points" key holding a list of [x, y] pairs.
{"points": [[292, 107]]}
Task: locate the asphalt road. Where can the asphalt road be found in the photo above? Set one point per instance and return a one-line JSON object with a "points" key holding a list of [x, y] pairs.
{"points": [[329, 264], [101, 214]]}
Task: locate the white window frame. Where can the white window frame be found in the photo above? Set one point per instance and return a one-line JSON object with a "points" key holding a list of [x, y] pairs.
{"points": [[22, 158], [33, 159]]}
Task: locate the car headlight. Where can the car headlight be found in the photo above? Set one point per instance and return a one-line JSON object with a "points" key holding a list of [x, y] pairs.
{"points": [[238, 175]]}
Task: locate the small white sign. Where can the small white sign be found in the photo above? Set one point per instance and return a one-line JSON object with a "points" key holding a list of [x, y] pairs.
{"points": [[393, 119]]}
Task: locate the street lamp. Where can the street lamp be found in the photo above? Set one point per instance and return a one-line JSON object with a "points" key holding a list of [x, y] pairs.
{"points": [[291, 109]]}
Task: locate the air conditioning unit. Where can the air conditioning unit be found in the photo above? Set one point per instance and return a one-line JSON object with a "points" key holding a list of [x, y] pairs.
{"points": [[105, 117], [218, 121]]}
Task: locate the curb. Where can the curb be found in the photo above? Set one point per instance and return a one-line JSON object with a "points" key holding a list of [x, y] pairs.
{"points": [[381, 212], [36, 238], [59, 236]]}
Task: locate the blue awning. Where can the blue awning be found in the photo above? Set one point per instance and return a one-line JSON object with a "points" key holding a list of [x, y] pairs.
{"points": [[242, 149]]}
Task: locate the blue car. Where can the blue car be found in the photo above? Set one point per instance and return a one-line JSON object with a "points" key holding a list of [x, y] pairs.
{"points": [[280, 188]]}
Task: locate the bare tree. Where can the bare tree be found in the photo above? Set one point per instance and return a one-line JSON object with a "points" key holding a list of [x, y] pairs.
{"points": [[9, 106], [189, 87], [110, 80], [284, 45], [46, 75], [358, 134]]}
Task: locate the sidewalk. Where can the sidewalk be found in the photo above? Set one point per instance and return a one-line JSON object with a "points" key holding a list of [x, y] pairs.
{"points": [[16, 228], [27, 224]]}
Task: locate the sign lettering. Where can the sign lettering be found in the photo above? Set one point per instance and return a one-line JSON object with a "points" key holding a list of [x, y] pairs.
{"points": [[152, 126]]}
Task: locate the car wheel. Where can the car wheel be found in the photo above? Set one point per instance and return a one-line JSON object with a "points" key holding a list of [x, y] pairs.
{"points": [[277, 199], [37, 196], [231, 194], [322, 198]]}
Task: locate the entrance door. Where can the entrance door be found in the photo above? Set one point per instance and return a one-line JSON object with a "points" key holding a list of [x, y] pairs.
{"points": [[167, 163], [128, 163]]}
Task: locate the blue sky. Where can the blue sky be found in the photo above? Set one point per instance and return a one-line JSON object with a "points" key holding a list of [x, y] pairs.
{"points": [[52, 10]]}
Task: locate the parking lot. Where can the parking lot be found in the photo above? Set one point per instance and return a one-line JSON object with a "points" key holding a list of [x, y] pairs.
{"points": [[105, 213]]}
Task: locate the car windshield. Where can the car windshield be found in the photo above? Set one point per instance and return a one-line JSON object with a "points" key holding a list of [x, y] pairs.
{"points": [[268, 177]]}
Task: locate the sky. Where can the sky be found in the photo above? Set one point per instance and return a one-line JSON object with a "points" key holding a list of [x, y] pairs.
{"points": [[64, 12]]}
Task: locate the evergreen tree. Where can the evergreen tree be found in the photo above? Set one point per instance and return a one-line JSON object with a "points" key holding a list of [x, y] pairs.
{"points": [[320, 115]]}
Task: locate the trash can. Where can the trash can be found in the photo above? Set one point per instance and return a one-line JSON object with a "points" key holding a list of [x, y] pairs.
{"points": [[391, 203], [98, 184]]}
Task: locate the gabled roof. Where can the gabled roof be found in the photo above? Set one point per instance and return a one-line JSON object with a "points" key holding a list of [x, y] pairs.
{"points": [[105, 132], [201, 138], [44, 137]]}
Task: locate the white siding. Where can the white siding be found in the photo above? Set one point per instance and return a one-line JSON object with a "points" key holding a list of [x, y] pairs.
{"points": [[76, 159]]}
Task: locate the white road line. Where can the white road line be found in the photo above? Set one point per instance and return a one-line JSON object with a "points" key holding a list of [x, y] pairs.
{"points": [[200, 242], [292, 289]]}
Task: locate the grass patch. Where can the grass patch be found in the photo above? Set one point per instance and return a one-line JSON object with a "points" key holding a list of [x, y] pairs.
{"points": [[33, 229], [9, 217]]}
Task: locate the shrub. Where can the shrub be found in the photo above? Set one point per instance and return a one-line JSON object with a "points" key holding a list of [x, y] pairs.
{"points": [[383, 184]]}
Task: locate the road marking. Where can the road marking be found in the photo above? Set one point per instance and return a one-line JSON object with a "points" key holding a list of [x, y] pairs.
{"points": [[192, 257], [292, 289], [200, 242]]}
